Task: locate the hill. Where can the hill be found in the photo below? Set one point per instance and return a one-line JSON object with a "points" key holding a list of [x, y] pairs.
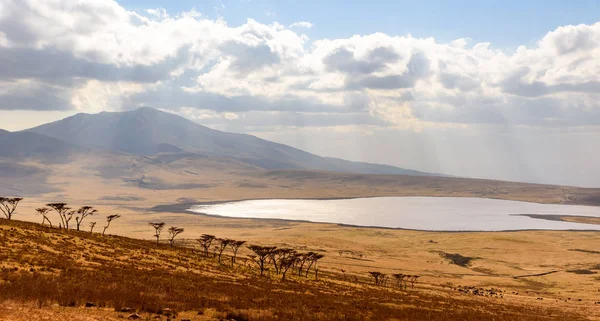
{"points": [[47, 273], [27, 145], [146, 131]]}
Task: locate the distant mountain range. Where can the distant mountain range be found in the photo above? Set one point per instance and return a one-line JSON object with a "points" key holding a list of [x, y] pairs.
{"points": [[146, 131]]}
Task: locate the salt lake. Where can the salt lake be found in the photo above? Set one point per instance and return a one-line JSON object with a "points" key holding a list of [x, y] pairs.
{"points": [[419, 213]]}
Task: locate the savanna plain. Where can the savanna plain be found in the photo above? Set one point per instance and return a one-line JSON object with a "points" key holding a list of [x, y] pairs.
{"points": [[349, 273]]}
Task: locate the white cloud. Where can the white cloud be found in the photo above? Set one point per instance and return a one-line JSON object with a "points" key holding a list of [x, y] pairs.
{"points": [[301, 24], [171, 59]]}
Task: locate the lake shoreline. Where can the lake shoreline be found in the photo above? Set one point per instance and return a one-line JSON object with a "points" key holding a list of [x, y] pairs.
{"points": [[448, 206]]}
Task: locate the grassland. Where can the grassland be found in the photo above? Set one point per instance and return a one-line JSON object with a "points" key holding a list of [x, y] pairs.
{"points": [[51, 274], [543, 275]]}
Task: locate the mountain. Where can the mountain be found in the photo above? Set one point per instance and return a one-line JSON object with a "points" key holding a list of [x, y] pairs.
{"points": [[21, 145], [146, 131]]}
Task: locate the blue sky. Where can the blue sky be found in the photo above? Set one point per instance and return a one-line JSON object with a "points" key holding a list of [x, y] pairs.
{"points": [[506, 24]]}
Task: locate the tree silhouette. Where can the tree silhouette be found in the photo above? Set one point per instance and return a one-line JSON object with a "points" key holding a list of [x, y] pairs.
{"points": [[158, 227], [64, 212], [262, 254], [223, 243], [109, 219], [302, 259], [399, 280], [377, 277], [235, 246], [8, 205], [313, 258], [205, 241], [82, 213], [92, 225], [277, 256], [43, 211], [173, 232], [285, 258], [412, 279]]}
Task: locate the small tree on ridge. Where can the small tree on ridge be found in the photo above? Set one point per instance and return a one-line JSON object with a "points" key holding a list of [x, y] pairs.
{"points": [[109, 219], [173, 232], [8, 205], [205, 241], [64, 212], [82, 213], [235, 246], [43, 211], [158, 227]]}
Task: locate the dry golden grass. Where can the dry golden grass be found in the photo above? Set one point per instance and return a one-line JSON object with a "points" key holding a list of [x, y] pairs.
{"points": [[500, 257], [59, 271]]}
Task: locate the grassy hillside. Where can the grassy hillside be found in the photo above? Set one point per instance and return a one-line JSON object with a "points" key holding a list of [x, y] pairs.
{"points": [[50, 273]]}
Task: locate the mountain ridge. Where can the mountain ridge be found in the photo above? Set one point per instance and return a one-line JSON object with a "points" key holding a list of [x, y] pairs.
{"points": [[146, 131]]}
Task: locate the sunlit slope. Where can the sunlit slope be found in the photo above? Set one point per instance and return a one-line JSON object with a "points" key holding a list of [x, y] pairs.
{"points": [[147, 131]]}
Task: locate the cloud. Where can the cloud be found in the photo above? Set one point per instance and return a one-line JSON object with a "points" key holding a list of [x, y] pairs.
{"points": [[247, 58], [417, 68], [70, 54], [301, 24], [343, 60], [55, 65], [35, 96]]}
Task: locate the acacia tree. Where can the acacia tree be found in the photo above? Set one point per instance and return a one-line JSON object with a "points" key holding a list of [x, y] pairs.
{"points": [[205, 241], [84, 212], [277, 256], [109, 219], [92, 224], [262, 254], [8, 205], [64, 212], [235, 246], [223, 243], [313, 262], [377, 277], [173, 232], [302, 259], [158, 227], [287, 262], [43, 211]]}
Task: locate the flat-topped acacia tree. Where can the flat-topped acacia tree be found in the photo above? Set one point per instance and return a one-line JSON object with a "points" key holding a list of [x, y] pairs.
{"points": [[303, 258], [43, 211], [235, 246], [277, 256], [8, 205], [64, 212], [109, 219], [262, 254], [158, 227], [377, 276], [286, 262], [314, 257], [173, 232], [223, 243], [205, 241], [84, 212]]}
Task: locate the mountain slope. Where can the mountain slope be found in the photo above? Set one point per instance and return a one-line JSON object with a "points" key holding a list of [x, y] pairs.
{"points": [[20, 145], [146, 131]]}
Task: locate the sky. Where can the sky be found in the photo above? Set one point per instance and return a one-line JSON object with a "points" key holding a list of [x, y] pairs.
{"points": [[505, 90]]}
